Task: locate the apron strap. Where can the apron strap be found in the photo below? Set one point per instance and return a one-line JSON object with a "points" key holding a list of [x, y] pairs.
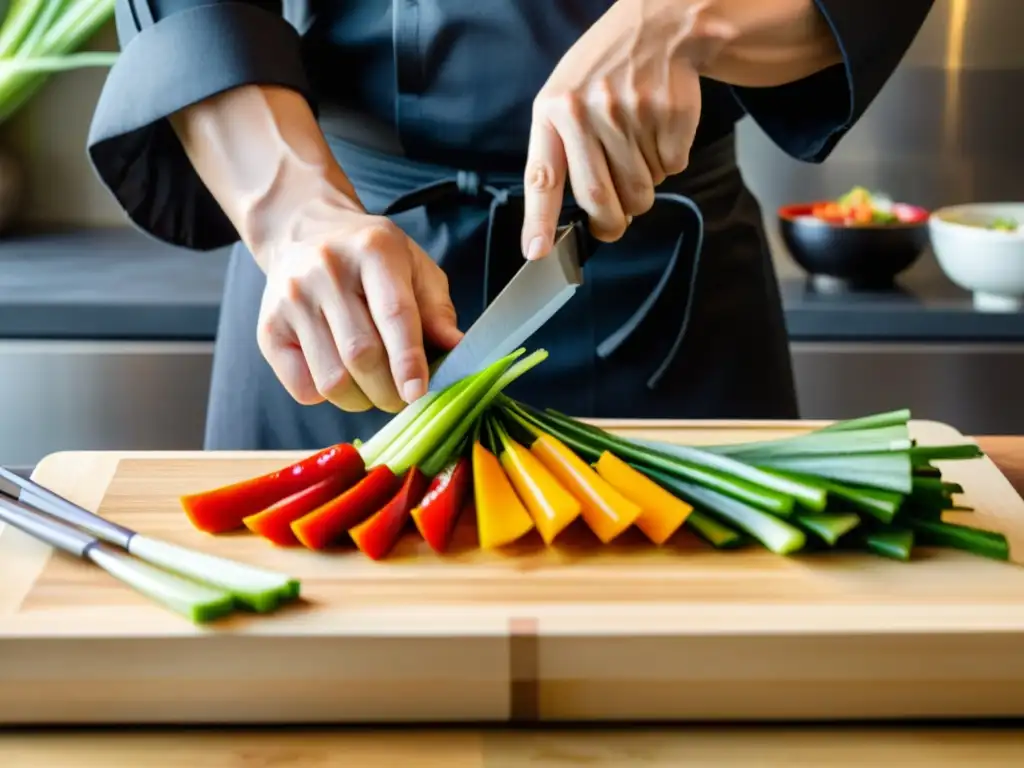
{"points": [[467, 184]]}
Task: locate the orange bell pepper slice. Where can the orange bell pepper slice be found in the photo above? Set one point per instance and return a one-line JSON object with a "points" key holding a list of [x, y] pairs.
{"points": [[662, 514], [501, 517], [550, 505], [605, 511]]}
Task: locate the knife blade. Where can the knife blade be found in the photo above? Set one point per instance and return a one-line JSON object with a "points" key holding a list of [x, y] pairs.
{"points": [[531, 298]]}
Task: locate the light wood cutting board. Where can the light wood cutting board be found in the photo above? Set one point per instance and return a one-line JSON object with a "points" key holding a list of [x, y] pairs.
{"points": [[578, 632]]}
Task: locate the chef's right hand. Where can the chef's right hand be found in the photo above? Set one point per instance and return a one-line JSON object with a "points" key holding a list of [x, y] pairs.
{"points": [[346, 311]]}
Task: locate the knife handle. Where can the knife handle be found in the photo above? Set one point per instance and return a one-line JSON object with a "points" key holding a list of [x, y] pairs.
{"points": [[588, 244]]}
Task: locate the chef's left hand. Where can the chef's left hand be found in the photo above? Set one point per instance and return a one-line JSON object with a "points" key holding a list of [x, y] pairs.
{"points": [[617, 116]]}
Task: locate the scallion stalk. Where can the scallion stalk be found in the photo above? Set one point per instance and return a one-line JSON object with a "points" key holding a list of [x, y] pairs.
{"points": [[829, 526], [894, 543], [715, 532], [974, 540]]}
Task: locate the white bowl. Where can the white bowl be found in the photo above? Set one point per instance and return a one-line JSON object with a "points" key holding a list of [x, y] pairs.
{"points": [[987, 262]]}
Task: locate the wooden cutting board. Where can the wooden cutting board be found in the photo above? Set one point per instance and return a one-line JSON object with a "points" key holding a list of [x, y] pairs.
{"points": [[577, 632]]}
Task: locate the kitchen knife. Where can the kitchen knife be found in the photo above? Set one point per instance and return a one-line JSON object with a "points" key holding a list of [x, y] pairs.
{"points": [[536, 292]]}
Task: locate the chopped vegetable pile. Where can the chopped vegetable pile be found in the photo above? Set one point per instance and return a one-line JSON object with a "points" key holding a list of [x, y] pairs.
{"points": [[861, 207], [858, 484]]}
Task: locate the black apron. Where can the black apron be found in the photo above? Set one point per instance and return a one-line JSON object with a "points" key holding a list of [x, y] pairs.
{"points": [[679, 319]]}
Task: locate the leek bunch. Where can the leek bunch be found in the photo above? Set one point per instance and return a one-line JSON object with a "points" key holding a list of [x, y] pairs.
{"points": [[41, 37]]}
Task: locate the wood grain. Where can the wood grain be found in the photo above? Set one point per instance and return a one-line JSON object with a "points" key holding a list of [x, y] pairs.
{"points": [[704, 747], [574, 632]]}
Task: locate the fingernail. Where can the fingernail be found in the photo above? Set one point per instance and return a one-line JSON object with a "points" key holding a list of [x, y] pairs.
{"points": [[413, 390], [533, 251]]}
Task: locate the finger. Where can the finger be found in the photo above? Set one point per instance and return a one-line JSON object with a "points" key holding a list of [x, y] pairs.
{"points": [[334, 383], [626, 163], [387, 283], [645, 129], [544, 189], [591, 180], [430, 284], [676, 130], [280, 348]]}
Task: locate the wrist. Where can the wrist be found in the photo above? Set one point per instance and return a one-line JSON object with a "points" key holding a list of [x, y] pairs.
{"points": [[756, 42]]}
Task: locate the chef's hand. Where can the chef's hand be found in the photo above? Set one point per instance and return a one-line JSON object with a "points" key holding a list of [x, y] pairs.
{"points": [[617, 116], [345, 311], [349, 299]]}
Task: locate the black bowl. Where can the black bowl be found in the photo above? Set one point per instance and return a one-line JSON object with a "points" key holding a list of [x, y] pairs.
{"points": [[841, 256]]}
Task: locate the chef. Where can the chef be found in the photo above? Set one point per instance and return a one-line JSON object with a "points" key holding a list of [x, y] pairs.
{"points": [[383, 168]]}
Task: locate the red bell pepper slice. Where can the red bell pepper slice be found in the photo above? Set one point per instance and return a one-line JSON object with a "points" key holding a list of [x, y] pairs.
{"points": [[329, 522], [275, 522], [446, 497], [376, 535], [223, 509]]}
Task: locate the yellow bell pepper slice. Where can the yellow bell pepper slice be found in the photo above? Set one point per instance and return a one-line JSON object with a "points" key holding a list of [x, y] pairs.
{"points": [[501, 517], [605, 511], [662, 514], [550, 505]]}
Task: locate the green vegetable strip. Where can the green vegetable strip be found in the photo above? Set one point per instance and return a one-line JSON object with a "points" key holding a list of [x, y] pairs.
{"points": [[874, 421], [882, 505], [886, 471], [922, 455], [821, 444], [829, 526], [591, 444], [894, 543], [974, 540], [31, 43], [77, 23], [776, 534], [661, 453], [446, 422], [441, 454], [197, 602], [716, 533], [372, 449]]}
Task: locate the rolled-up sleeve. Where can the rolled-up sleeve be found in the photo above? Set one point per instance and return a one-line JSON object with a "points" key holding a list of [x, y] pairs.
{"points": [[175, 53], [806, 119]]}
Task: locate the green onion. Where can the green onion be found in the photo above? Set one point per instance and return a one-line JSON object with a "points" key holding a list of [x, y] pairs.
{"points": [[776, 534], [199, 603], [841, 443], [590, 443], [38, 38], [922, 455], [874, 421], [442, 453], [829, 526], [974, 540], [255, 588], [894, 543], [716, 533], [885, 471]]}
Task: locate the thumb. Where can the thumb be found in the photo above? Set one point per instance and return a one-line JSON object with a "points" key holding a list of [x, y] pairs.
{"points": [[437, 313]]}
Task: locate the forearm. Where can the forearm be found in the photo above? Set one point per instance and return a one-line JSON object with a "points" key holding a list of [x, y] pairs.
{"points": [[263, 157], [759, 43]]}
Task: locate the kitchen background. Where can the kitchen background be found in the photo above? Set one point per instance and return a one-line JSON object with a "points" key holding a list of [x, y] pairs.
{"points": [[105, 337]]}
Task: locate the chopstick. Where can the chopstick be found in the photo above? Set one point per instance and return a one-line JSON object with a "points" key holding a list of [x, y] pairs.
{"points": [[198, 602], [258, 589]]}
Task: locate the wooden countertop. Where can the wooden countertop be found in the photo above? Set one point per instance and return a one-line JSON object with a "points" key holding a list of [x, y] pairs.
{"points": [[909, 746]]}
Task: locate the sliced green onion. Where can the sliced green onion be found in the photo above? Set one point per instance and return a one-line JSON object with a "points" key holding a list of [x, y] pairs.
{"points": [[198, 602], [829, 526], [841, 443], [776, 534], [256, 588], [716, 533], [376, 445], [922, 455], [974, 540], [894, 543], [873, 421], [886, 471], [442, 454]]}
